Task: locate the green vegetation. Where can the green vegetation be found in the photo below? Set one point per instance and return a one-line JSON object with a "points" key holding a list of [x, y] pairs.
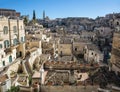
{"points": [[14, 89], [25, 21]]}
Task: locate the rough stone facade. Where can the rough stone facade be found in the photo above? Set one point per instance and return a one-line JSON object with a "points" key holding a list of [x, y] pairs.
{"points": [[115, 58]]}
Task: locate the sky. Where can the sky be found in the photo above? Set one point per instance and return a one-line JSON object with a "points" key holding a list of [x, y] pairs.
{"points": [[63, 8]]}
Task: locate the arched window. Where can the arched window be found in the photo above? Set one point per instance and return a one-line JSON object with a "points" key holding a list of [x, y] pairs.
{"points": [[10, 59], [6, 44], [14, 29], [5, 30], [15, 41], [22, 39]]}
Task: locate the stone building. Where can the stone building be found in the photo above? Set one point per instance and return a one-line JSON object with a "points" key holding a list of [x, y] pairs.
{"points": [[65, 51], [65, 47], [92, 54], [79, 44], [5, 83], [9, 12], [115, 57], [12, 40]]}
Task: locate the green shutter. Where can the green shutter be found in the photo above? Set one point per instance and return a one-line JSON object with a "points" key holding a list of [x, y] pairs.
{"points": [[0, 45], [6, 44]]}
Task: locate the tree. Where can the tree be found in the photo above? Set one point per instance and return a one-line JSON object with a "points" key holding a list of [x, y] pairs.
{"points": [[34, 17], [25, 21]]}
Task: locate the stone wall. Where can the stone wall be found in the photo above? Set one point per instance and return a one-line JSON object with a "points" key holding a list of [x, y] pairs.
{"points": [[115, 57]]}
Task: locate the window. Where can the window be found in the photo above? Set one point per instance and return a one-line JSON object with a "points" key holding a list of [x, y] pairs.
{"points": [[61, 54], [92, 53], [14, 29], [22, 39], [75, 49], [3, 63], [15, 41], [117, 23], [10, 59], [6, 44], [5, 30], [0, 46]]}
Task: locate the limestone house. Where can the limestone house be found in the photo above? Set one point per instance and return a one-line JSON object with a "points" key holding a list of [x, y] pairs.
{"points": [[33, 47], [117, 24], [12, 40], [115, 54], [103, 31], [79, 44], [5, 83], [92, 54], [65, 52], [87, 35], [65, 47]]}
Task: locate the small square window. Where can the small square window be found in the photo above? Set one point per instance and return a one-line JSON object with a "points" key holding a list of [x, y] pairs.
{"points": [[92, 53], [75, 49]]}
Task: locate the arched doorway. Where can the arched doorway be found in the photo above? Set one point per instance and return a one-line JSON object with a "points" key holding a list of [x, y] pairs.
{"points": [[10, 59]]}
